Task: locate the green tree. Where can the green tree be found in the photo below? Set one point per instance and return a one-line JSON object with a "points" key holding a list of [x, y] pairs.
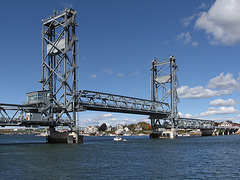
{"points": [[131, 127], [144, 125]]}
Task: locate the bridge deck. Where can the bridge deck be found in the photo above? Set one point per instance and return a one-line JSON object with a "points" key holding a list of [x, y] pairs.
{"points": [[98, 101]]}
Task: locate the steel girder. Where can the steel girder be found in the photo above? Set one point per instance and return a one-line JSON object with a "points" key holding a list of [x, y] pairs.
{"points": [[183, 123], [189, 123], [92, 100], [15, 115]]}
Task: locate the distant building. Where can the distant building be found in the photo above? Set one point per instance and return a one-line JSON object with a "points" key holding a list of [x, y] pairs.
{"points": [[226, 124], [138, 128], [91, 129], [120, 127], [126, 129], [109, 129]]}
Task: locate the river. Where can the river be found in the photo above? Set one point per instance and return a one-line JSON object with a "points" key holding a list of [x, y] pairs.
{"points": [[29, 157]]}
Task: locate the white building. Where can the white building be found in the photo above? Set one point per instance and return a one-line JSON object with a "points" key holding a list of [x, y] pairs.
{"points": [[119, 129], [109, 129], [226, 124], [138, 128], [91, 129], [126, 129]]}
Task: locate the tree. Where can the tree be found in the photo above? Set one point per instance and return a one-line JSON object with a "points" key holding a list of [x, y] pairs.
{"points": [[144, 125], [132, 127], [103, 127], [149, 127]]}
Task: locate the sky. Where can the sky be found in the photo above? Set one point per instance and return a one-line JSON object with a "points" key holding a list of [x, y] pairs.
{"points": [[118, 39]]}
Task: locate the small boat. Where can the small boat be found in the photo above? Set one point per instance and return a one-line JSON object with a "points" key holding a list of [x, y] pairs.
{"points": [[117, 138], [183, 135], [42, 135]]}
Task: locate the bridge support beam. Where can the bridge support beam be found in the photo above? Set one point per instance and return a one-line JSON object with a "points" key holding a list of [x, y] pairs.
{"points": [[64, 137]]}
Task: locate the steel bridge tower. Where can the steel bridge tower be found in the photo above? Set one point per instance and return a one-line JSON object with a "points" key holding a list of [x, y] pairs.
{"points": [[164, 85], [59, 66]]}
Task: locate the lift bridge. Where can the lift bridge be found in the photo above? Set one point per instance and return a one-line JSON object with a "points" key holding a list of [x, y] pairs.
{"points": [[59, 101]]}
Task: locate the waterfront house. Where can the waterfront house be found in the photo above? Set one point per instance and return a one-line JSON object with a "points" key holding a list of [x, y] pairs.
{"points": [[138, 128], [226, 124], [91, 129]]}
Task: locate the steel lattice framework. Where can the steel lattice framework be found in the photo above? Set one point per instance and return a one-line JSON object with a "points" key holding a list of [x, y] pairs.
{"points": [[91, 100], [60, 100], [190, 123], [164, 85], [59, 65]]}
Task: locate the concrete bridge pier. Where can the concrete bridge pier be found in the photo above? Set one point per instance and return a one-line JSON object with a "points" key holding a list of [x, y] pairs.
{"points": [[164, 133], [206, 132], [64, 137], [169, 133]]}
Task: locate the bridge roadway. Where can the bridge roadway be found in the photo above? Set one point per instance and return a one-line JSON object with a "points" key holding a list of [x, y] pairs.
{"points": [[96, 101], [86, 100]]}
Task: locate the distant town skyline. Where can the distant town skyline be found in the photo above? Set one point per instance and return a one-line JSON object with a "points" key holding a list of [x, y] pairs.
{"points": [[117, 42]]}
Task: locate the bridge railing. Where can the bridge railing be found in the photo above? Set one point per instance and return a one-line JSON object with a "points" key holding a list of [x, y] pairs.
{"points": [[93, 100]]}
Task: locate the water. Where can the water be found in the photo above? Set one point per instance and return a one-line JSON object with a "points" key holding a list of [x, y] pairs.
{"points": [[29, 157]]}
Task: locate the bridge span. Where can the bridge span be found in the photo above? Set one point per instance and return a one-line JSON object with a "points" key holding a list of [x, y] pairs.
{"points": [[59, 101]]}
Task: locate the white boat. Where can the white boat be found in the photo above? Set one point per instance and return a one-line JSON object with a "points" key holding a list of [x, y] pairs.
{"points": [[117, 138], [183, 135], [43, 135]]}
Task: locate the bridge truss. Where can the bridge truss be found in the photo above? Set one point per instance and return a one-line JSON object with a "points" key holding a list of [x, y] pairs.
{"points": [[97, 101], [164, 85], [59, 100]]}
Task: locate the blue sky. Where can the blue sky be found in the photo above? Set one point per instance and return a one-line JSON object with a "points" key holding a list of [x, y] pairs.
{"points": [[117, 42]]}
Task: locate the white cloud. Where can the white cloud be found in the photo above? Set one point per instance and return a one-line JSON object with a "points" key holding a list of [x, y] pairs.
{"points": [[108, 71], [199, 92], [185, 38], [112, 119], [120, 74], [217, 86], [202, 6], [109, 115], [195, 44], [135, 73], [231, 117], [221, 22], [218, 111], [224, 82], [93, 76], [221, 102], [188, 20], [181, 115], [98, 119]]}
